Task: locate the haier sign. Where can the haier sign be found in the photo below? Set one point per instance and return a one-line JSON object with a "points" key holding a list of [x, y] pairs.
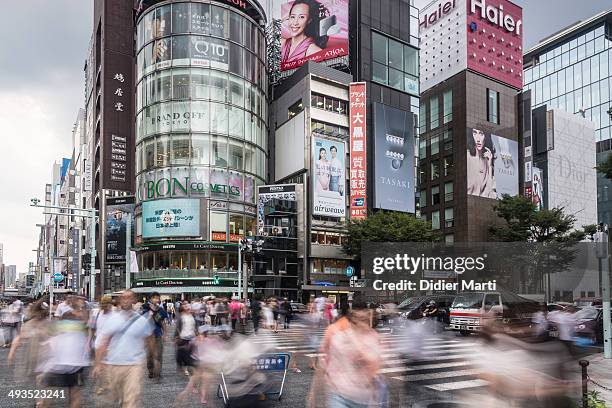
{"points": [[496, 15]]}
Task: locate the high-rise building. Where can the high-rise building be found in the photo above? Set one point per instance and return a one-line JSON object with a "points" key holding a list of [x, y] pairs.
{"points": [[470, 144], [10, 276], [202, 140], [108, 163], [572, 71]]}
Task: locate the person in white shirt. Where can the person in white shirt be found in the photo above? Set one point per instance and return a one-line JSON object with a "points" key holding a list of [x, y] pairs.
{"points": [[122, 352]]}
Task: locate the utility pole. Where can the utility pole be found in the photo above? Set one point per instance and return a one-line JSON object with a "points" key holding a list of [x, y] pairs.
{"points": [[601, 248], [128, 253]]}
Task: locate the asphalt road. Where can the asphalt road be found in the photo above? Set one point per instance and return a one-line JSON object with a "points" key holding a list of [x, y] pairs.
{"points": [[445, 371]]}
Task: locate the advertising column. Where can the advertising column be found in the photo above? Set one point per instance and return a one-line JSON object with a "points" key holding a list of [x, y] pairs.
{"points": [[357, 117]]}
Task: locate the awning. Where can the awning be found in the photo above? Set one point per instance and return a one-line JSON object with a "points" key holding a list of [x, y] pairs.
{"points": [[186, 289]]}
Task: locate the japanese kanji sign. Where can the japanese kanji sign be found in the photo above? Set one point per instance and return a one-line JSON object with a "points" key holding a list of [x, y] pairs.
{"points": [[358, 180], [171, 218]]}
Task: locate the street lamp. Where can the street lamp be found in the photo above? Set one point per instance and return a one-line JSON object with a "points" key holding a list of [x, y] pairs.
{"points": [[246, 245], [91, 215]]}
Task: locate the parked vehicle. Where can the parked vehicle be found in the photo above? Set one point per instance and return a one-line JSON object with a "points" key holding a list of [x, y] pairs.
{"points": [[587, 301], [299, 307], [469, 309], [589, 324], [412, 308], [558, 306]]}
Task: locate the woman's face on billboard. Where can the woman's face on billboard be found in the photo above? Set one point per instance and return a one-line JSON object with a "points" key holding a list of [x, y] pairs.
{"points": [[298, 19], [478, 136], [322, 154]]}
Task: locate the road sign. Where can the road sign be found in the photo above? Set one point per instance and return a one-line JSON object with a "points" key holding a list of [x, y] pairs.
{"points": [[58, 277], [350, 271]]}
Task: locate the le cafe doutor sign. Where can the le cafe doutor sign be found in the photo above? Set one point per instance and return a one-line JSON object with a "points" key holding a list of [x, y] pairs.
{"points": [[170, 187]]}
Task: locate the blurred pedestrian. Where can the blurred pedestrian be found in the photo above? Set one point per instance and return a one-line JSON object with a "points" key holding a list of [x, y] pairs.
{"points": [[351, 359], [155, 353], [286, 313], [124, 341], [184, 334], [256, 310], [97, 321], [234, 311]]}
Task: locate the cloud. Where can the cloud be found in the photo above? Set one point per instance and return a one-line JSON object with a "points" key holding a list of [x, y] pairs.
{"points": [[41, 90]]}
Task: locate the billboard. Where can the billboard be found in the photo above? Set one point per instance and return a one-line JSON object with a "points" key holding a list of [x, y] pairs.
{"points": [[328, 177], [267, 193], [117, 211], [492, 165], [179, 217], [313, 30], [537, 188], [393, 159], [358, 167]]}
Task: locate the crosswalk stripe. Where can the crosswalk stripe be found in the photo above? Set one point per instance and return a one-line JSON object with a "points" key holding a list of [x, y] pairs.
{"points": [[458, 385], [437, 375], [424, 367]]}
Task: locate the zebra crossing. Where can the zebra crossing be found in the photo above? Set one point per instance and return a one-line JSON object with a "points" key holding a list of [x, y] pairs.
{"points": [[445, 363]]}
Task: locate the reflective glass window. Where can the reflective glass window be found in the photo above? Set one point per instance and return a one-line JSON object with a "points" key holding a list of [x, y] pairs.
{"points": [[235, 121], [218, 86], [218, 118], [180, 50], [218, 232], [200, 149], [180, 151], [199, 83], [149, 153], [180, 18], [200, 116], [235, 60], [219, 25], [200, 18], [180, 83], [180, 117], [236, 154], [236, 27], [219, 151], [162, 155]]}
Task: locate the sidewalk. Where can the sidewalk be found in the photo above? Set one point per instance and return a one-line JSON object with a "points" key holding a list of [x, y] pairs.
{"points": [[600, 372]]}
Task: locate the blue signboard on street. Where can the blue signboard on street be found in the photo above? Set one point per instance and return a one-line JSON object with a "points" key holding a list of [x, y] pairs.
{"points": [[58, 277], [350, 271]]}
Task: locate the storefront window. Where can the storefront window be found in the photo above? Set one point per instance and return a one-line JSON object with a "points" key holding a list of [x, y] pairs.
{"points": [[218, 226], [232, 262], [218, 261], [236, 227], [180, 260], [199, 261], [163, 260]]}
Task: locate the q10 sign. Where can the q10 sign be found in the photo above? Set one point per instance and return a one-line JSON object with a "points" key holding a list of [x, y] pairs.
{"points": [[492, 43]]}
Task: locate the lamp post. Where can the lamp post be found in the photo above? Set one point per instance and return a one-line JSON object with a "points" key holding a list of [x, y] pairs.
{"points": [[246, 245], [601, 250], [91, 215]]}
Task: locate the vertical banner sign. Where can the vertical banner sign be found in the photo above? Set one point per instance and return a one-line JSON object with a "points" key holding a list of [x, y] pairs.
{"points": [[76, 254], [357, 113]]}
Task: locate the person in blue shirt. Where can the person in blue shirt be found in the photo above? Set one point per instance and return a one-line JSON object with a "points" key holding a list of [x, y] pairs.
{"points": [[159, 317]]}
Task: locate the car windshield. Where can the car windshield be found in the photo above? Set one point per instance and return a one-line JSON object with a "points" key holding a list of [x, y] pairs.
{"points": [[587, 313], [410, 303], [468, 301]]}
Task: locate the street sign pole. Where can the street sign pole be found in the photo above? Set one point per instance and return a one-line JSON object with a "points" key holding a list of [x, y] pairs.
{"points": [[128, 253], [601, 239], [92, 252]]}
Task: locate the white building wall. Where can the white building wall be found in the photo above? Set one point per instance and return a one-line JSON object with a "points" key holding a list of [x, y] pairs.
{"points": [[572, 178]]}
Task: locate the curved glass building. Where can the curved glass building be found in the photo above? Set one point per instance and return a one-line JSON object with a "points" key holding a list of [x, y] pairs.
{"points": [[201, 127]]}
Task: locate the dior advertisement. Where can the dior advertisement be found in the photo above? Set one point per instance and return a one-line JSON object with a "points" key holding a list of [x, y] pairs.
{"points": [[394, 159], [492, 165]]}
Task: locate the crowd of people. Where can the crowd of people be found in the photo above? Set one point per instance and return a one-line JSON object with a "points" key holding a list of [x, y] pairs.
{"points": [[115, 343]]}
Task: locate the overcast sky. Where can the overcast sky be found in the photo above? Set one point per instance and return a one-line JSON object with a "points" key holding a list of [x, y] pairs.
{"points": [[41, 90]]}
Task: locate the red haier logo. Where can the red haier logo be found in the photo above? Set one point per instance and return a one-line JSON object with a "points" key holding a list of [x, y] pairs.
{"points": [[432, 18], [496, 16]]}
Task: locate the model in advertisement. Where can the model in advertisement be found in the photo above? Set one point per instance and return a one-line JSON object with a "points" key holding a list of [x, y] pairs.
{"points": [[336, 171], [480, 165], [322, 168], [537, 191], [303, 23]]}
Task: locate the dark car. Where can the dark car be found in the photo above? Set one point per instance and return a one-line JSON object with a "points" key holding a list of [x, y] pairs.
{"points": [[412, 308], [589, 324]]}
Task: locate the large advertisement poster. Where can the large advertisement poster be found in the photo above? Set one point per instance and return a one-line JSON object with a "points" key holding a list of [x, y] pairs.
{"points": [[358, 167], [313, 30], [117, 212], [394, 159], [328, 177], [492, 165], [177, 217], [537, 187]]}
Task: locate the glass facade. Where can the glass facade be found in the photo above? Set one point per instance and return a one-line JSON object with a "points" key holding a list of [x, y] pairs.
{"points": [[201, 122], [576, 76]]}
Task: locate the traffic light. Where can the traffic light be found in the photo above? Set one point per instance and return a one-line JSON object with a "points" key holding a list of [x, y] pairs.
{"points": [[216, 279]]}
